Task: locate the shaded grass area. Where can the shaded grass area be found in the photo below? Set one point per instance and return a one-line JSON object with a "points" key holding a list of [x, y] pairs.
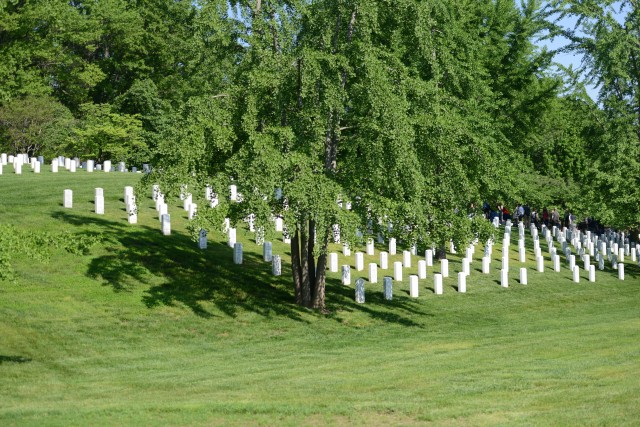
{"points": [[148, 329]]}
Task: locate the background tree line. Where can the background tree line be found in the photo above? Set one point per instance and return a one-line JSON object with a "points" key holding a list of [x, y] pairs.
{"points": [[413, 112]]}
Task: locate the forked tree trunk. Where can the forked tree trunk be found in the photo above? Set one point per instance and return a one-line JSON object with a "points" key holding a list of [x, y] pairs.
{"points": [[309, 283]]}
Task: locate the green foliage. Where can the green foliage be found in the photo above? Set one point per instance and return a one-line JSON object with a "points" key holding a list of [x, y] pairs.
{"points": [[607, 33], [104, 134], [17, 243], [34, 125]]}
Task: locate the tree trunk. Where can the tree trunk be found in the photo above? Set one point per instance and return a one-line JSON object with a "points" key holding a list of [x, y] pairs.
{"points": [[296, 269], [306, 271], [321, 275]]}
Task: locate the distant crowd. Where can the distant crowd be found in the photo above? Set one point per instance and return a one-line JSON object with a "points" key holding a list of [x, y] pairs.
{"points": [[529, 216]]}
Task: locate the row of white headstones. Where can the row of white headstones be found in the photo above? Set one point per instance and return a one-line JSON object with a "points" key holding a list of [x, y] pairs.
{"points": [[165, 219], [18, 160], [612, 246], [578, 240]]}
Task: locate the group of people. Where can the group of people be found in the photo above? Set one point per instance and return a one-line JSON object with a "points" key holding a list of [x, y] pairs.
{"points": [[528, 216]]}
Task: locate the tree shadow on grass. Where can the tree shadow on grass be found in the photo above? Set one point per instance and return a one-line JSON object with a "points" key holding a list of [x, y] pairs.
{"points": [[13, 359], [343, 299], [177, 272]]}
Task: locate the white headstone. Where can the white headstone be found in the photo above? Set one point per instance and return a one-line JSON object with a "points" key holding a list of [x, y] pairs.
{"points": [[266, 251], [233, 193], [406, 259], [279, 224], [540, 264], [387, 288], [346, 250], [523, 275], [397, 271], [67, 163], [556, 263], [336, 233], [165, 221], [133, 216], [276, 265], [237, 253], [392, 246], [522, 254], [428, 256], [98, 201], [469, 253], [72, 166], [359, 261], [505, 263], [413, 286], [346, 274], [232, 237], [17, 168], [587, 261], [504, 278], [3, 158], [360, 291], [486, 264], [193, 210], [572, 262], [128, 192], [620, 254], [422, 269], [444, 267], [462, 282], [576, 273], [621, 271], [90, 165], [437, 283], [0, 168], [373, 272], [592, 273], [36, 168], [384, 260], [370, 246], [164, 210], [333, 262], [466, 268], [202, 239], [68, 198], [188, 199], [107, 166]]}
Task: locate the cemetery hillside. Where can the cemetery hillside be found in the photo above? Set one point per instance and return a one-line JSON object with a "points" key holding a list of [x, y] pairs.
{"points": [[333, 212]]}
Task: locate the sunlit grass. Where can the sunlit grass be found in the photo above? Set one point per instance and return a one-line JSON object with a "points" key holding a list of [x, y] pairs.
{"points": [[147, 329]]}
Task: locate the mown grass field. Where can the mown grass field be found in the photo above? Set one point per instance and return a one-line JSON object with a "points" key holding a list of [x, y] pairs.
{"points": [[147, 329]]}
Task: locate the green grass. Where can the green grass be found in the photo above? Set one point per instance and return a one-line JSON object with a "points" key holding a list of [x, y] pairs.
{"points": [[148, 330]]}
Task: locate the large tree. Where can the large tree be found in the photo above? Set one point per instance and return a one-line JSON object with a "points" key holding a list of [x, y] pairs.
{"points": [[386, 108], [34, 125], [607, 33]]}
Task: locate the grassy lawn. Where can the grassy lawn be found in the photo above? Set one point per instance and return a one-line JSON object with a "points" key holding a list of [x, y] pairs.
{"points": [[147, 329]]}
